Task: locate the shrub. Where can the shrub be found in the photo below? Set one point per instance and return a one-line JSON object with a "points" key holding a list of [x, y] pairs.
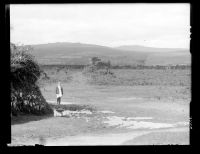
{"points": [[25, 94], [24, 69]]}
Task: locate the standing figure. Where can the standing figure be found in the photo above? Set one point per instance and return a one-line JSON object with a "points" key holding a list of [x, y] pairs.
{"points": [[59, 93]]}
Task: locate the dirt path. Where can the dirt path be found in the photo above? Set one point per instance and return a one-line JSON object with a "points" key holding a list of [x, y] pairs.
{"points": [[109, 139], [115, 138]]}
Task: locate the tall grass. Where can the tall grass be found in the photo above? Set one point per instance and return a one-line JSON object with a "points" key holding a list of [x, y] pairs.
{"points": [[133, 77]]}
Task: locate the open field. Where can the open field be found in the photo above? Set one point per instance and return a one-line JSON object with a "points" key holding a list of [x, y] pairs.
{"points": [[145, 77], [131, 112], [126, 77]]}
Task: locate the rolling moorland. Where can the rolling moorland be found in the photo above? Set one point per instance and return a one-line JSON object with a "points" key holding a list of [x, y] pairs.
{"points": [[126, 106], [55, 67], [79, 54]]}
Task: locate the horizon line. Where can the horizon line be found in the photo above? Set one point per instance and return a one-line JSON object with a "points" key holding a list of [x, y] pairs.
{"points": [[103, 45]]}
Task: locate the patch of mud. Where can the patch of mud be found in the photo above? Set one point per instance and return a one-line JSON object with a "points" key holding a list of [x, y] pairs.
{"points": [[121, 122]]}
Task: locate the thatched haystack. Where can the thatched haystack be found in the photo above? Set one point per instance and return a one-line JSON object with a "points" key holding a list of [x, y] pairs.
{"points": [[25, 94]]}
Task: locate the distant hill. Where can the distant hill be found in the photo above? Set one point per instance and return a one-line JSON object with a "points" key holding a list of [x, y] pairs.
{"points": [[80, 54], [161, 56], [149, 49]]}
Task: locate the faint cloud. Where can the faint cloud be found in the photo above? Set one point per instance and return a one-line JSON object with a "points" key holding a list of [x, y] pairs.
{"points": [[102, 24]]}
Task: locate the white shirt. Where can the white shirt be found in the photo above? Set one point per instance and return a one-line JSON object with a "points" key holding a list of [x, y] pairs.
{"points": [[60, 92]]}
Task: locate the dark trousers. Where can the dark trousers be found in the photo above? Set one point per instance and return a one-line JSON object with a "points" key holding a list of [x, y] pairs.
{"points": [[58, 100]]}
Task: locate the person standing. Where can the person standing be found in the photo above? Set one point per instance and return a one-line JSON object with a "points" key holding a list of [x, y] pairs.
{"points": [[59, 92]]}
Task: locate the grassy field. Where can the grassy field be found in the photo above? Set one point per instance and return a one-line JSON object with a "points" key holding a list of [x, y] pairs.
{"points": [[153, 77], [169, 84], [163, 96], [126, 77]]}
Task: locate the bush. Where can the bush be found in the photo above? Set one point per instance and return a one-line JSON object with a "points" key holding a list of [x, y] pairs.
{"points": [[25, 94], [30, 101], [99, 76], [24, 69]]}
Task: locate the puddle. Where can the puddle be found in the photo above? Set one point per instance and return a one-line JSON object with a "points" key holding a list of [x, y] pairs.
{"points": [[68, 112], [139, 118], [106, 111], [121, 122], [71, 113], [149, 125], [129, 98], [182, 124]]}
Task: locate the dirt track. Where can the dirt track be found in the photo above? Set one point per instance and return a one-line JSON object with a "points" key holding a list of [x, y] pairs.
{"points": [[143, 137]]}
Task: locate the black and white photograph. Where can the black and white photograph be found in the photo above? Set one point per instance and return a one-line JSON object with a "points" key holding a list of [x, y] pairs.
{"points": [[100, 74]]}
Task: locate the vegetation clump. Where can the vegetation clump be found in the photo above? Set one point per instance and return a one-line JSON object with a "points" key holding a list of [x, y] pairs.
{"points": [[99, 72], [25, 93]]}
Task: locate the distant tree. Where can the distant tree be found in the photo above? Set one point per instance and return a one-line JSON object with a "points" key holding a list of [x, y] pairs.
{"points": [[95, 60]]}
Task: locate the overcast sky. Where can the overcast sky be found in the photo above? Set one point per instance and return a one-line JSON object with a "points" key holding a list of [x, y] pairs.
{"points": [[154, 25]]}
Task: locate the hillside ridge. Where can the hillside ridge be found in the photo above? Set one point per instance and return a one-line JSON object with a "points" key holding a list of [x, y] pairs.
{"points": [[80, 54]]}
